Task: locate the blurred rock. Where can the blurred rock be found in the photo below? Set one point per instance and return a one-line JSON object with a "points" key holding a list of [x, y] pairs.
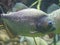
{"points": [[52, 8], [19, 6], [58, 43], [4, 36]]}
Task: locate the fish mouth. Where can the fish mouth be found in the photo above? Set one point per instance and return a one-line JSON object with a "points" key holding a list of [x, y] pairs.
{"points": [[42, 29], [45, 30], [52, 29]]}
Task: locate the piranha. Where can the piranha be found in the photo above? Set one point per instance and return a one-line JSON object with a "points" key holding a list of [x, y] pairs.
{"points": [[55, 16], [28, 21]]}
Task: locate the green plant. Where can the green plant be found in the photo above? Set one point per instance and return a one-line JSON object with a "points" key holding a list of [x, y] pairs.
{"points": [[38, 2]]}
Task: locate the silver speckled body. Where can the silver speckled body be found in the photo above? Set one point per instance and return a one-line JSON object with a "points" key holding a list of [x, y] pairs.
{"points": [[27, 21]]}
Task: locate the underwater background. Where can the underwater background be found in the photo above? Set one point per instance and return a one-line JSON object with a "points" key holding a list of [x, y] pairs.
{"points": [[8, 38]]}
